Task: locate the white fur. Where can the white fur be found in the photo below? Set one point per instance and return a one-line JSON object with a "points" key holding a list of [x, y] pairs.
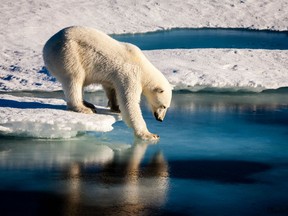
{"points": [[79, 56]]}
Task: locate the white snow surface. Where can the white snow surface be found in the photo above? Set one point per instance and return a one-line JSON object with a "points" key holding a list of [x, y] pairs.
{"points": [[223, 69], [47, 118]]}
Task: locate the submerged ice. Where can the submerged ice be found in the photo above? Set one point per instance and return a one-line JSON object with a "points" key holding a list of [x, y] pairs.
{"points": [[47, 118]]}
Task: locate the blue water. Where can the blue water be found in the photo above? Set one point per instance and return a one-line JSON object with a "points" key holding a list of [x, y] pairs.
{"points": [[208, 38], [219, 154]]}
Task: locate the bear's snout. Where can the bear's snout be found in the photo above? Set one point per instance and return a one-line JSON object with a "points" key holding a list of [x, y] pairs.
{"points": [[158, 118]]}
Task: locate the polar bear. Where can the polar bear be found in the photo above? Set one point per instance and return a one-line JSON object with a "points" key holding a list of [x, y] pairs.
{"points": [[79, 56]]}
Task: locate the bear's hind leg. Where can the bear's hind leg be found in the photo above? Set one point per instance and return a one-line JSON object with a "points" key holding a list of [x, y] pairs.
{"points": [[112, 99], [74, 97]]}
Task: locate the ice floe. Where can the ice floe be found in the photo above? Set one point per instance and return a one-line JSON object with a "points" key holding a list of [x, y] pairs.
{"points": [[48, 118], [226, 69]]}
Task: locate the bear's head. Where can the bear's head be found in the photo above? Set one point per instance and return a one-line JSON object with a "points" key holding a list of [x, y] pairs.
{"points": [[159, 99]]}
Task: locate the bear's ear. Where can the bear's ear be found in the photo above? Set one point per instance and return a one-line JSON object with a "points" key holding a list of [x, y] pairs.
{"points": [[158, 90]]}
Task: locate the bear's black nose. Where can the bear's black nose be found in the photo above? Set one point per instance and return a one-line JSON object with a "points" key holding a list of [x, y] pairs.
{"points": [[157, 117]]}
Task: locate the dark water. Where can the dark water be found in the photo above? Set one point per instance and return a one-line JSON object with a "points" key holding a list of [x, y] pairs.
{"points": [[219, 154], [208, 38]]}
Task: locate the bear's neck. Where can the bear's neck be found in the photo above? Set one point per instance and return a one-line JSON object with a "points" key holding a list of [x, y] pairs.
{"points": [[150, 75], [149, 78]]}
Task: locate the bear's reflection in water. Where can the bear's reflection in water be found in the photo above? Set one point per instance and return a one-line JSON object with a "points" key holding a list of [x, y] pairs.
{"points": [[121, 187], [73, 178]]}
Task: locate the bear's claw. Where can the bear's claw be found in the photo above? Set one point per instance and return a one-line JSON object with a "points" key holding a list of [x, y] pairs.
{"points": [[90, 106]]}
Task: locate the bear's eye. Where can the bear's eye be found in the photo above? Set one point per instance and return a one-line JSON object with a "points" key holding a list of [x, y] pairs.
{"points": [[159, 90], [163, 107]]}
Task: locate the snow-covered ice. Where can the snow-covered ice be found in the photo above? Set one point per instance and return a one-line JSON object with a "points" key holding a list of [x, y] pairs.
{"points": [[194, 69], [47, 118], [226, 69]]}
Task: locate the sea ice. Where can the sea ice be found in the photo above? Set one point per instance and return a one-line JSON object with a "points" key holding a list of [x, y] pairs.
{"points": [[223, 69], [47, 118], [193, 69]]}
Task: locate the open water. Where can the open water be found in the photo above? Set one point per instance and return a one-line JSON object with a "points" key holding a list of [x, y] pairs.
{"points": [[208, 38], [218, 154]]}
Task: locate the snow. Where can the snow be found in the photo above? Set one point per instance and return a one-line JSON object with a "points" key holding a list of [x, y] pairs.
{"points": [[47, 118], [223, 69], [27, 25]]}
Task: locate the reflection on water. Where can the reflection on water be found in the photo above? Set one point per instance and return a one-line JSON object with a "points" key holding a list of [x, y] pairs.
{"points": [[219, 154], [122, 186], [87, 177], [237, 102]]}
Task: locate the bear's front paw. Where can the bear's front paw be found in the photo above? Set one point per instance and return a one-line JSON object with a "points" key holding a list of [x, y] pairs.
{"points": [[148, 136]]}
